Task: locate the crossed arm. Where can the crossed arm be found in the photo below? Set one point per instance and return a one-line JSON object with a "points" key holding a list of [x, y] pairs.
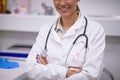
{"points": [[71, 70]]}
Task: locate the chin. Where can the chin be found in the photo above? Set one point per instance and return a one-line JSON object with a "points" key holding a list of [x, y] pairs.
{"points": [[64, 14]]}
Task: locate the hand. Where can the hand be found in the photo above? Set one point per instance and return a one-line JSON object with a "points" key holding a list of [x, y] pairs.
{"points": [[73, 70], [41, 60]]}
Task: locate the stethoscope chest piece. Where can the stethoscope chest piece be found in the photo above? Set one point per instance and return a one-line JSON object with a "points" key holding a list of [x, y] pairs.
{"points": [[44, 53]]}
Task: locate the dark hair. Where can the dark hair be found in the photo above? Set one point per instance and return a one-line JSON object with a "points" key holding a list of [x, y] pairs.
{"points": [[78, 9]]}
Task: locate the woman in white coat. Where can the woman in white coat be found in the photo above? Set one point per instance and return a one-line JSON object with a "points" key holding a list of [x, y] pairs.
{"points": [[70, 49]]}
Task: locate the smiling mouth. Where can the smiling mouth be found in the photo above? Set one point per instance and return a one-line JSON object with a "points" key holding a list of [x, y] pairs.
{"points": [[63, 9]]}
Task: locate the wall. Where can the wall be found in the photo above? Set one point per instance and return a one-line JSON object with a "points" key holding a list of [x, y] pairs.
{"points": [[100, 7], [9, 38]]}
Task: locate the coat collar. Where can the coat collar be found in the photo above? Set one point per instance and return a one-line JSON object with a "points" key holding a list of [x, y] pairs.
{"points": [[79, 24]]}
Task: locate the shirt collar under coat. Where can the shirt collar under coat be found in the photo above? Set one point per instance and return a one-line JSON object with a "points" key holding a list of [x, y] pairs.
{"points": [[79, 24]]}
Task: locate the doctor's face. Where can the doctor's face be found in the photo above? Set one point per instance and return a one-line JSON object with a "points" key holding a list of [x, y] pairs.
{"points": [[66, 8]]}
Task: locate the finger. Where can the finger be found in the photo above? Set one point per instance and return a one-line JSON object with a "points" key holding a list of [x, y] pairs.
{"points": [[76, 67], [37, 56], [70, 72], [39, 61], [75, 70], [43, 60]]}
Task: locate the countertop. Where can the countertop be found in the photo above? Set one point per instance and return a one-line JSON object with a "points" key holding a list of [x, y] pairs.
{"points": [[12, 74]]}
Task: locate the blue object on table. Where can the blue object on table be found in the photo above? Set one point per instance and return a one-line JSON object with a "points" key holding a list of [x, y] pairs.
{"points": [[5, 64], [14, 54]]}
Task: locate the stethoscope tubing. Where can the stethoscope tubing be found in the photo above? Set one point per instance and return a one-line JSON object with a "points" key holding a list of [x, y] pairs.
{"points": [[44, 53]]}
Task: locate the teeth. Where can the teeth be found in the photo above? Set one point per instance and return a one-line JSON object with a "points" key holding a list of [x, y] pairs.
{"points": [[64, 8]]}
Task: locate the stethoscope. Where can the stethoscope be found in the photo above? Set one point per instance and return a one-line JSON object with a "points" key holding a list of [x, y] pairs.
{"points": [[44, 52]]}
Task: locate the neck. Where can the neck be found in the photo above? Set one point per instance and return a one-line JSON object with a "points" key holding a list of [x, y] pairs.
{"points": [[67, 22]]}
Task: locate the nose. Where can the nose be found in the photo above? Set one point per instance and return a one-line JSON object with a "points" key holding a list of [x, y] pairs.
{"points": [[62, 2]]}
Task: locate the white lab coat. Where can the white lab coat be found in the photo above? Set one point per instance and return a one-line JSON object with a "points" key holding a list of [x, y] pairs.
{"points": [[91, 60]]}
